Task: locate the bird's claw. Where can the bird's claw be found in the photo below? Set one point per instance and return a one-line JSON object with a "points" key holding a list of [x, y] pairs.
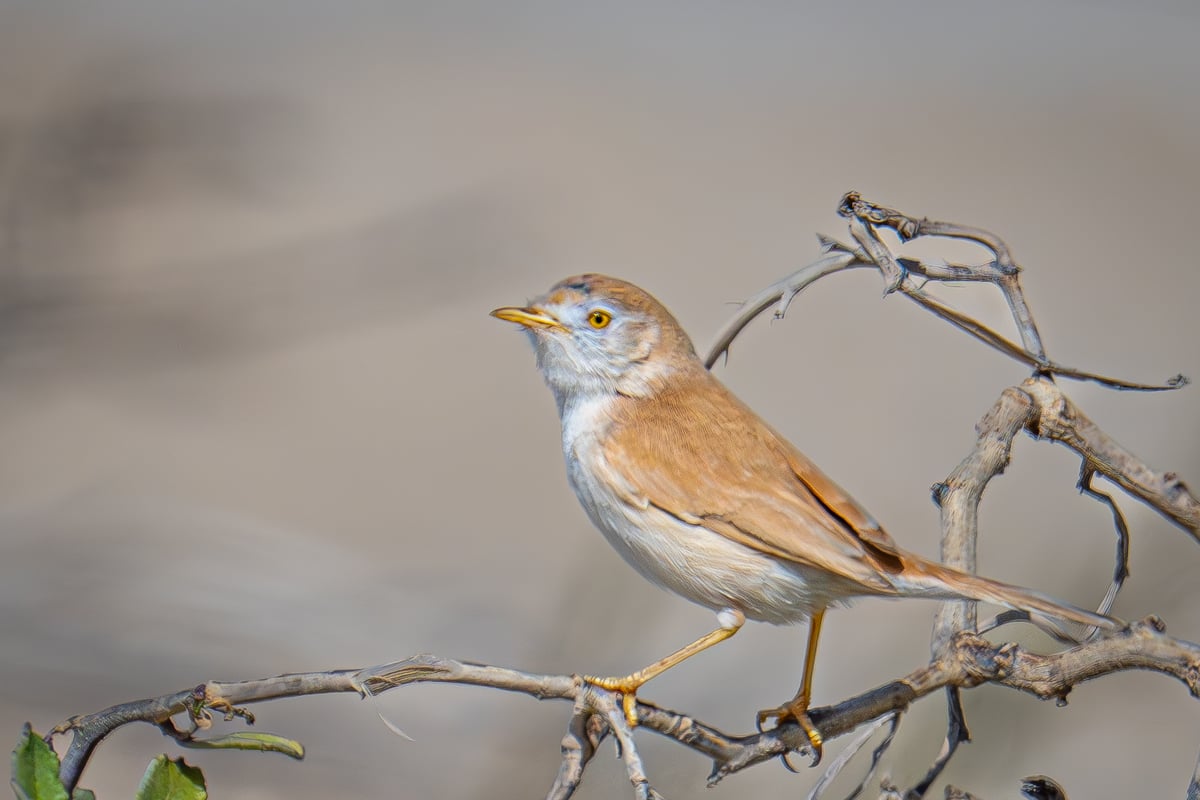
{"points": [[628, 687], [795, 711]]}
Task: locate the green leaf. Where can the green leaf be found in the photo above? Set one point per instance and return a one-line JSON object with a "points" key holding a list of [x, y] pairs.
{"points": [[246, 740], [171, 779], [83, 794], [35, 769]]}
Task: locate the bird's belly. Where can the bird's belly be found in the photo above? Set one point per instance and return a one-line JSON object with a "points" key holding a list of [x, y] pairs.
{"points": [[704, 566]]}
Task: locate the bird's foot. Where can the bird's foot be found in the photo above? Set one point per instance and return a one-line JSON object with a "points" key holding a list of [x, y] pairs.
{"points": [[796, 711], [628, 687]]}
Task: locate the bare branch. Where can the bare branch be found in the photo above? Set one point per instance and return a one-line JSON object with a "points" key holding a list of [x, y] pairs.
{"points": [[1121, 563], [956, 734], [959, 496], [969, 661], [878, 253], [608, 704], [897, 271], [1061, 420], [585, 731], [1005, 271], [780, 292], [843, 758]]}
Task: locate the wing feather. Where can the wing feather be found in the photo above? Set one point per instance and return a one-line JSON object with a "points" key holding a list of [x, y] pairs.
{"points": [[717, 465]]}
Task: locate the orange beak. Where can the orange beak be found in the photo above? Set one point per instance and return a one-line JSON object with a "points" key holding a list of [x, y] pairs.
{"points": [[529, 317]]}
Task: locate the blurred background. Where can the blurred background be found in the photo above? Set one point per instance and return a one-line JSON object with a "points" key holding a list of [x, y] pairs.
{"points": [[255, 417]]}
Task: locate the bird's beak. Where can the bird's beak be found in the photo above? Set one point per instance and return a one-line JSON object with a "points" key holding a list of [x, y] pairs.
{"points": [[529, 317]]}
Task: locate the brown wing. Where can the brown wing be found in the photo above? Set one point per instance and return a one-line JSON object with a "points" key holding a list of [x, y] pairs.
{"points": [[723, 468]]}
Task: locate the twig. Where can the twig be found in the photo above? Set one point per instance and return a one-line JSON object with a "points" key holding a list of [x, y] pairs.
{"points": [[780, 292], [843, 758], [897, 271], [1061, 420], [958, 498], [1121, 562], [956, 734], [585, 731], [609, 705], [1005, 271]]}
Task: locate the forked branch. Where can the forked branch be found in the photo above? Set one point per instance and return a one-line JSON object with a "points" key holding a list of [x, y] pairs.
{"points": [[865, 219]]}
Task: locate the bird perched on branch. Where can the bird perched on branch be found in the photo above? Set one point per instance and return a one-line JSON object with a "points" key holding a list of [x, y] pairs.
{"points": [[703, 498]]}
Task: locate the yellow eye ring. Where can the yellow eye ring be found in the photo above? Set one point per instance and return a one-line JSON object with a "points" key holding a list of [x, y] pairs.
{"points": [[599, 318]]}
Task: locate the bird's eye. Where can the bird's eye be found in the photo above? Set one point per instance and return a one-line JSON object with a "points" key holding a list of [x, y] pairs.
{"points": [[599, 318]]}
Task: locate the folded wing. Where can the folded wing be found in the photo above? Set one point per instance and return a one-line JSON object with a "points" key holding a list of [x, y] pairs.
{"points": [[769, 497]]}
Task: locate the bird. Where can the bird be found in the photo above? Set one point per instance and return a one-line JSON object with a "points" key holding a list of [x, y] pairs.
{"points": [[704, 498]]}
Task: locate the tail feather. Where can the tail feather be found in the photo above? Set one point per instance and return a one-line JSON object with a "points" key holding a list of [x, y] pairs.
{"points": [[936, 580]]}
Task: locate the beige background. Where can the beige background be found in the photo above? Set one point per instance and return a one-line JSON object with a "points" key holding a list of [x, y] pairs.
{"points": [[255, 417]]}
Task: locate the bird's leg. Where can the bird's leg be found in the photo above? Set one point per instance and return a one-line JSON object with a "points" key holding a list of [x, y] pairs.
{"points": [[730, 620], [797, 709]]}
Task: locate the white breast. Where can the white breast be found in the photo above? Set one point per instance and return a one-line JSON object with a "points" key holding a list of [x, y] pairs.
{"points": [[690, 560]]}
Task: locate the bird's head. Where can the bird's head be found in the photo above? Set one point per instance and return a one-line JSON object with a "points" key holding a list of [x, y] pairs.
{"points": [[597, 335]]}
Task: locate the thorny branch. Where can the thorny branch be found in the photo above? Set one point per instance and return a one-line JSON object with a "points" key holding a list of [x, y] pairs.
{"points": [[961, 658]]}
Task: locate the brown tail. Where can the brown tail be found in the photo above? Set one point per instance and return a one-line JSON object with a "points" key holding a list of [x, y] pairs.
{"points": [[937, 580]]}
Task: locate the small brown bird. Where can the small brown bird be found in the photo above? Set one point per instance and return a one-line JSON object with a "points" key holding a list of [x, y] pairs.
{"points": [[702, 497]]}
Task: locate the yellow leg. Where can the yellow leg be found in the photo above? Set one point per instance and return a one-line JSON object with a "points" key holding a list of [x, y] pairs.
{"points": [[731, 622], [797, 708]]}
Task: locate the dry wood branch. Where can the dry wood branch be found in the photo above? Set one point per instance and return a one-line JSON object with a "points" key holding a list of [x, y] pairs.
{"points": [[865, 218], [1061, 420], [585, 731], [1121, 562], [1003, 270], [959, 496], [968, 661], [1024, 408], [781, 292], [956, 734], [843, 758]]}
